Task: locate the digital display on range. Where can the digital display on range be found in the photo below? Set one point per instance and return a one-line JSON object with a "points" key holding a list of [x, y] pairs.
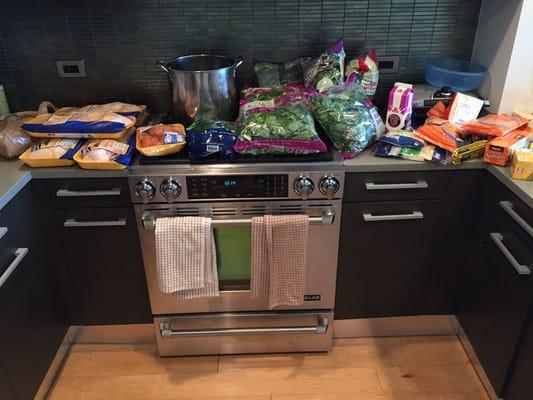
{"points": [[237, 186]]}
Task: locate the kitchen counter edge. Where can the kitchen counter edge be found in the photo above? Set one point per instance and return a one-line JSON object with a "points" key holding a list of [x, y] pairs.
{"points": [[15, 176]]}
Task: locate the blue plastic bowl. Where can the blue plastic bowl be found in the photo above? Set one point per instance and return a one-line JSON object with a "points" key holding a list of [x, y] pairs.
{"points": [[460, 75]]}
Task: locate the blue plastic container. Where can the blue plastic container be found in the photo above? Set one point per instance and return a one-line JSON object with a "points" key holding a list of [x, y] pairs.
{"points": [[460, 75]]}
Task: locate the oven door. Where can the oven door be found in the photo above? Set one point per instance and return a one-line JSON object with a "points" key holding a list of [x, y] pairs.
{"points": [[231, 228]]}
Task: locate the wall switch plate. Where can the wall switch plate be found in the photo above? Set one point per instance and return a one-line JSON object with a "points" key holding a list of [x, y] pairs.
{"points": [[71, 68], [389, 64]]}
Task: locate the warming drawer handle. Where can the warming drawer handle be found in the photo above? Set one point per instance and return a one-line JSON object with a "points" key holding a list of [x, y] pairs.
{"points": [[320, 328], [497, 238], [367, 217], [396, 186], [508, 208], [88, 193], [72, 223], [327, 218], [20, 253]]}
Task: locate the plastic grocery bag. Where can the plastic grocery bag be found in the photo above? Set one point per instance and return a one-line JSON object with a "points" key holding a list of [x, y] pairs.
{"points": [[13, 140], [348, 117]]}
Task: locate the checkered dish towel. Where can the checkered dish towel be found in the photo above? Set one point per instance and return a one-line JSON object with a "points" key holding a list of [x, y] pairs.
{"points": [[186, 257], [279, 258]]}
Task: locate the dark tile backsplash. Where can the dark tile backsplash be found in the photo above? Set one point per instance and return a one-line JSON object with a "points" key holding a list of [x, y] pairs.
{"points": [[121, 40]]}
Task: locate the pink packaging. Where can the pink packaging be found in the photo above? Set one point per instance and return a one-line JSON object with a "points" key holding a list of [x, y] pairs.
{"points": [[400, 106]]}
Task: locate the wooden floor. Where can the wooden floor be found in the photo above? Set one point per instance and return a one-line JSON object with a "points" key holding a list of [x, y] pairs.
{"points": [[407, 368]]}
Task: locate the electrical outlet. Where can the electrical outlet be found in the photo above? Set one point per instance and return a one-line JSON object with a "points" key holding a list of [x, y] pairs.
{"points": [[389, 64], [71, 68]]}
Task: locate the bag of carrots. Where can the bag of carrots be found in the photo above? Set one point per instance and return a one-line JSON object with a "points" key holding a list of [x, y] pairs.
{"points": [[493, 125], [441, 133]]}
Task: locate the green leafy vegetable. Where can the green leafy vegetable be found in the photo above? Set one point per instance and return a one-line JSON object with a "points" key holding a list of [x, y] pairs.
{"points": [[348, 118], [280, 122]]}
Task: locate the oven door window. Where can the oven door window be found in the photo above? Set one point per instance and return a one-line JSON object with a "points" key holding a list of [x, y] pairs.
{"points": [[233, 246]]}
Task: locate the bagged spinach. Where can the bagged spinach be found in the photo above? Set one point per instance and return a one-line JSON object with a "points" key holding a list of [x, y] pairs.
{"points": [[211, 138], [272, 74], [285, 127], [327, 70], [348, 117]]}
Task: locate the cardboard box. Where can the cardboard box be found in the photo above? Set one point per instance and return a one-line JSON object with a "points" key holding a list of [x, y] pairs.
{"points": [[500, 149], [522, 164]]}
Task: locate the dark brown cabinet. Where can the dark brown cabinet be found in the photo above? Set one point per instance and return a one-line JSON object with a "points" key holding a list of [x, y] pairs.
{"points": [[34, 321], [102, 252], [496, 286], [385, 258]]}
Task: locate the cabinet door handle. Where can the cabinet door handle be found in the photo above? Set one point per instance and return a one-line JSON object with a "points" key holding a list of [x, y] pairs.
{"points": [[508, 208], [20, 253], [72, 223], [367, 217], [497, 238], [88, 193], [396, 186], [3, 231]]}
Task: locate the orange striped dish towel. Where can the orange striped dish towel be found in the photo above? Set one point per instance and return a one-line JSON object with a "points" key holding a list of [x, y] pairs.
{"points": [[279, 258]]}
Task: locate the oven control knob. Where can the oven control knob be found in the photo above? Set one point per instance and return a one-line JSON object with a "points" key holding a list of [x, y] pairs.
{"points": [[170, 189], [328, 186], [303, 186], [144, 190]]}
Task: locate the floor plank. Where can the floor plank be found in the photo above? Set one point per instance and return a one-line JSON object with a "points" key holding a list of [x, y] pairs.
{"points": [[413, 368]]}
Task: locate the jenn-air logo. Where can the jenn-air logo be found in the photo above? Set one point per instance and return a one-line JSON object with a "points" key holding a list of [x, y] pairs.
{"points": [[312, 297]]}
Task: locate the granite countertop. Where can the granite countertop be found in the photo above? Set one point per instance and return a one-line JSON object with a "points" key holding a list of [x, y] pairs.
{"points": [[14, 175]]}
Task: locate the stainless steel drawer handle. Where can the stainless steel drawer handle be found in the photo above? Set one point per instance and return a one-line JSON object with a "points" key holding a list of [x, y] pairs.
{"points": [[3, 231], [497, 238], [20, 253], [88, 193], [149, 221], [367, 217], [508, 208], [72, 223], [396, 186], [321, 327]]}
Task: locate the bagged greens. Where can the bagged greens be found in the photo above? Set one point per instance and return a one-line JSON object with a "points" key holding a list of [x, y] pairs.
{"points": [[327, 70], [348, 117], [207, 138], [284, 126], [272, 75]]}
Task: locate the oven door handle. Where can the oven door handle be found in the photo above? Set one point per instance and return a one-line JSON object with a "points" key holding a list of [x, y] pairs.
{"points": [[321, 328], [327, 218]]}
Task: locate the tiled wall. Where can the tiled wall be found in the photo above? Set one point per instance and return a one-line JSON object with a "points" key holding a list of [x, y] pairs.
{"points": [[120, 40]]}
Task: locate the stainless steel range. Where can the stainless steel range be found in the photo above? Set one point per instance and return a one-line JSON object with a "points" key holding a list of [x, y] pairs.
{"points": [[231, 194]]}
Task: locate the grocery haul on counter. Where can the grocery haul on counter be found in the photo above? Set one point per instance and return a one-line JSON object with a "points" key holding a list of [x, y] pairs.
{"points": [[295, 107]]}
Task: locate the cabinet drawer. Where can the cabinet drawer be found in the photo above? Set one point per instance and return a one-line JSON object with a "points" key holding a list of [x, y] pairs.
{"points": [[394, 186], [103, 255], [385, 258], [78, 193]]}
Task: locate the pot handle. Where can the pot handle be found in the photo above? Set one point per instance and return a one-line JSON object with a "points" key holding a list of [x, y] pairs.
{"points": [[163, 65], [238, 62]]}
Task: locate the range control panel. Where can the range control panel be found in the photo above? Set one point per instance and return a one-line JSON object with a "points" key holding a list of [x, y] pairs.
{"points": [[201, 187], [236, 186]]}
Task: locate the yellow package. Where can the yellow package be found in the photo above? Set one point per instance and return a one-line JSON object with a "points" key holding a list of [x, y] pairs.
{"points": [[522, 164]]}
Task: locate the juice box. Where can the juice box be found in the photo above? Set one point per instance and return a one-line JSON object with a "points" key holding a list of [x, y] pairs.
{"points": [[522, 164]]}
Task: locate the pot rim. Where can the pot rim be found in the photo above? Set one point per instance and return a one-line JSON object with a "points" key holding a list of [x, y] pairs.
{"points": [[234, 63]]}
